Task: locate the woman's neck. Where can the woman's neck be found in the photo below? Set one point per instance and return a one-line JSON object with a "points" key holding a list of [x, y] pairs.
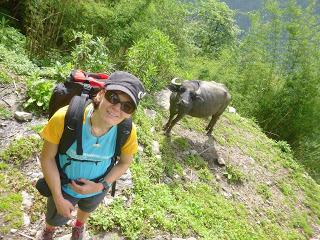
{"points": [[98, 126]]}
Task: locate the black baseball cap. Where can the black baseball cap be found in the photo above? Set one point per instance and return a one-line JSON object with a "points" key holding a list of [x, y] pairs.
{"points": [[127, 83]]}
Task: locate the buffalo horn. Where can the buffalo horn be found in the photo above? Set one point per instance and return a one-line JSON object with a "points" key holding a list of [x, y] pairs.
{"points": [[173, 81], [198, 92]]}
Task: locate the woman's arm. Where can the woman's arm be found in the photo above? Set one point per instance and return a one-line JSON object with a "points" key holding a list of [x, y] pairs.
{"points": [[120, 168], [52, 177]]}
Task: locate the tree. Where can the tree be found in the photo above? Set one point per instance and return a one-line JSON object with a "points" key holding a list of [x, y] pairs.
{"points": [[213, 26]]}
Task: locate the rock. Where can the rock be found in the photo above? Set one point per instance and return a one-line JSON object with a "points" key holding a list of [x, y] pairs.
{"points": [[23, 116], [155, 147], [221, 161], [109, 236], [269, 183], [218, 177], [33, 232], [35, 174], [13, 230], [189, 238], [26, 220], [152, 129], [27, 200], [232, 110], [167, 180], [35, 135], [150, 113], [107, 201], [193, 152], [163, 98], [140, 148]]}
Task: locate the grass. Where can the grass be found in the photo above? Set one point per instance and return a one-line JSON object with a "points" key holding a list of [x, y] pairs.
{"points": [[185, 207], [234, 175], [21, 150], [4, 78], [10, 198], [5, 113], [264, 191], [164, 201]]}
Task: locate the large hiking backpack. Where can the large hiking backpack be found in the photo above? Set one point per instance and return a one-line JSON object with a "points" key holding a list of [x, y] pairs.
{"points": [[77, 91]]}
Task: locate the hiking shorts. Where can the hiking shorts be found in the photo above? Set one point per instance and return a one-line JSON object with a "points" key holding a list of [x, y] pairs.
{"points": [[85, 204]]}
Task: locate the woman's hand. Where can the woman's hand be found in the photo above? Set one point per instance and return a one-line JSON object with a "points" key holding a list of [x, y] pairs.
{"points": [[64, 207], [84, 186]]}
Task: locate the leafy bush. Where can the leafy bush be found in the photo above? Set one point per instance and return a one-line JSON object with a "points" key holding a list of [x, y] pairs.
{"points": [[153, 59], [11, 38], [38, 93], [234, 175], [17, 62], [90, 54]]}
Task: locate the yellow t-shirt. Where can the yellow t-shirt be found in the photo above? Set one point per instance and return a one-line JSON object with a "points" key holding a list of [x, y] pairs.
{"points": [[52, 132]]}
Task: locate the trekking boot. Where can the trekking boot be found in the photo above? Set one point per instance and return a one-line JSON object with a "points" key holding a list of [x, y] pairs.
{"points": [[46, 235], [77, 233]]}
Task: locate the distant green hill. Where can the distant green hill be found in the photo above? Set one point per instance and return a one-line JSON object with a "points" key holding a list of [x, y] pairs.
{"points": [[244, 6]]}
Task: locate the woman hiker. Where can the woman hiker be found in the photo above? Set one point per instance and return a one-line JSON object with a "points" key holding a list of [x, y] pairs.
{"points": [[114, 103]]}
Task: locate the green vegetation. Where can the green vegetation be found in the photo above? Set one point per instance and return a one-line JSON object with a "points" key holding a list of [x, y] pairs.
{"points": [[264, 191], [234, 175], [5, 113], [272, 72], [10, 199], [5, 78], [39, 92], [21, 150]]}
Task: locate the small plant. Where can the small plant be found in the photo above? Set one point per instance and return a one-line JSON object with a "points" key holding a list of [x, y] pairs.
{"points": [[37, 128], [4, 78], [38, 93], [196, 162], [264, 191], [285, 188], [20, 150], [205, 175], [5, 113], [284, 147], [182, 143], [234, 175]]}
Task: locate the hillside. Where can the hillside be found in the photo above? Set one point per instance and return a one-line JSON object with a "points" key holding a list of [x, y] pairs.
{"points": [[181, 189], [235, 184]]}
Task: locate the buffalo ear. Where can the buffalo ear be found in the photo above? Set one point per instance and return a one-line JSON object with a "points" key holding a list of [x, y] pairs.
{"points": [[174, 88], [197, 97]]}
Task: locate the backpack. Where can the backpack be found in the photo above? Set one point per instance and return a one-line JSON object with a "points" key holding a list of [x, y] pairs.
{"points": [[77, 91]]}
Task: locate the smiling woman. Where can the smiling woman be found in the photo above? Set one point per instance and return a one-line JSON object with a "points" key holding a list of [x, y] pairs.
{"points": [[113, 104]]}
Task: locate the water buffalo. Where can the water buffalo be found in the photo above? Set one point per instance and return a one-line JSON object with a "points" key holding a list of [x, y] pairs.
{"points": [[197, 99]]}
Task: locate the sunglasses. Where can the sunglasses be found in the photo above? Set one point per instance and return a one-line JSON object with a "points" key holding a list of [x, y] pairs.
{"points": [[113, 98]]}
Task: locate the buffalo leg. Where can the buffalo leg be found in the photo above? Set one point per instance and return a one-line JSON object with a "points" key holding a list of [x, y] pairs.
{"points": [[173, 122], [212, 122], [173, 112], [166, 126]]}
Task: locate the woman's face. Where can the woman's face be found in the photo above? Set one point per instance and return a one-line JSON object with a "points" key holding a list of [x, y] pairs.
{"points": [[110, 113]]}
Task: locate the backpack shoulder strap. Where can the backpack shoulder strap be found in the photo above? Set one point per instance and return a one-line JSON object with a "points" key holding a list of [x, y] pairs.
{"points": [[73, 124], [123, 132]]}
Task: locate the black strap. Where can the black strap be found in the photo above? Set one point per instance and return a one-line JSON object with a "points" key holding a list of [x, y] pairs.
{"points": [[73, 124]]}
